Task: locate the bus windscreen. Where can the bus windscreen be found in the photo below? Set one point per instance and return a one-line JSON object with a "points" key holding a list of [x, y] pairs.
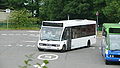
{"points": [[114, 30]]}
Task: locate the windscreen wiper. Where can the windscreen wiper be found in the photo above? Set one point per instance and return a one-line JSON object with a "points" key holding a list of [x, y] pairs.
{"points": [[116, 50], [44, 39]]}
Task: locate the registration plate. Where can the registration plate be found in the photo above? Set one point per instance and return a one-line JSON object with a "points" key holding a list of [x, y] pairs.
{"points": [[48, 47]]}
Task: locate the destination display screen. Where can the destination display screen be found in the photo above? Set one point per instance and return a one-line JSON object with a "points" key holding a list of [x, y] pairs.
{"points": [[53, 24], [114, 30]]}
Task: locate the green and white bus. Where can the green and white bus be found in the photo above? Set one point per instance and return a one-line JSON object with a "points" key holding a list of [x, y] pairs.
{"points": [[111, 42]]}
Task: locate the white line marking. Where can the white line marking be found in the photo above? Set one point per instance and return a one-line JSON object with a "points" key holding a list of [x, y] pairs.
{"points": [[35, 35], [3, 34], [47, 57], [28, 45], [30, 41], [9, 45], [92, 47], [32, 34], [20, 45]]}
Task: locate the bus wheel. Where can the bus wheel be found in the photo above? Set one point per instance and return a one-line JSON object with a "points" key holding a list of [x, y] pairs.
{"points": [[40, 49], [88, 43], [63, 49], [107, 62]]}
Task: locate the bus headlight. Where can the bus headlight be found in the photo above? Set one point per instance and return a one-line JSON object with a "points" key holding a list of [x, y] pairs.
{"points": [[40, 44], [111, 55]]}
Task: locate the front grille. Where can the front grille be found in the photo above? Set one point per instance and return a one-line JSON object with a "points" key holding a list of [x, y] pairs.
{"points": [[117, 56], [47, 44], [114, 56]]}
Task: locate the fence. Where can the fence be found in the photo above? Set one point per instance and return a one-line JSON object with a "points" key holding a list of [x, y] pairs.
{"points": [[14, 26]]}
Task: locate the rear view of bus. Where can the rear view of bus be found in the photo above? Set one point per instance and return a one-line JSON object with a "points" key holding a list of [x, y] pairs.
{"points": [[111, 42]]}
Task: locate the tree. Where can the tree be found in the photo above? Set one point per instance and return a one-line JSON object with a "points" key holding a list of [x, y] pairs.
{"points": [[22, 18], [15, 4], [3, 4], [98, 5], [79, 9], [76, 9], [112, 11], [52, 9]]}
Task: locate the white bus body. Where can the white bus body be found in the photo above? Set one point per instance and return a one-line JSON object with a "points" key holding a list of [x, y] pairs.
{"points": [[67, 34]]}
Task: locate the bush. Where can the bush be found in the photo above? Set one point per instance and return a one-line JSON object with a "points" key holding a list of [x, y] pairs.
{"points": [[22, 18]]}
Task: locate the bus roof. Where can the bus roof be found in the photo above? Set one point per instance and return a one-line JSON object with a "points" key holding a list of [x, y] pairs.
{"points": [[112, 28], [111, 25], [67, 23]]}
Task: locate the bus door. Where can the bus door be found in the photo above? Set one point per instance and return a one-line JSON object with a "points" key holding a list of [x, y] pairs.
{"points": [[103, 46], [69, 38]]}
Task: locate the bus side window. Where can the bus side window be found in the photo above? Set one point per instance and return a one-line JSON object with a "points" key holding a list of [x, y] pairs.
{"points": [[76, 32]]}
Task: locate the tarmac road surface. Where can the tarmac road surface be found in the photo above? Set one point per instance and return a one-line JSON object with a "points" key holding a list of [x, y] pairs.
{"points": [[15, 44]]}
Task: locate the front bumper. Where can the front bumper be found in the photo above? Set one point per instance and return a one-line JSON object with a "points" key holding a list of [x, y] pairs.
{"points": [[108, 58], [49, 47]]}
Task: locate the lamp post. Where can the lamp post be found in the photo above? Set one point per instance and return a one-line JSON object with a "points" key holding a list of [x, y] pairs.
{"points": [[7, 11], [97, 15]]}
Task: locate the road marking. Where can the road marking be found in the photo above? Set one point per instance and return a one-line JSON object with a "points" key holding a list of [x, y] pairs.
{"points": [[20, 45], [3, 34], [35, 35], [9, 45], [32, 34], [30, 41], [92, 47], [29, 45], [48, 57]]}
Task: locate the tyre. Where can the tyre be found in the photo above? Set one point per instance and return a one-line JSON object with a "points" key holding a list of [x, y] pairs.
{"points": [[40, 49], [107, 62], [88, 44], [63, 49]]}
